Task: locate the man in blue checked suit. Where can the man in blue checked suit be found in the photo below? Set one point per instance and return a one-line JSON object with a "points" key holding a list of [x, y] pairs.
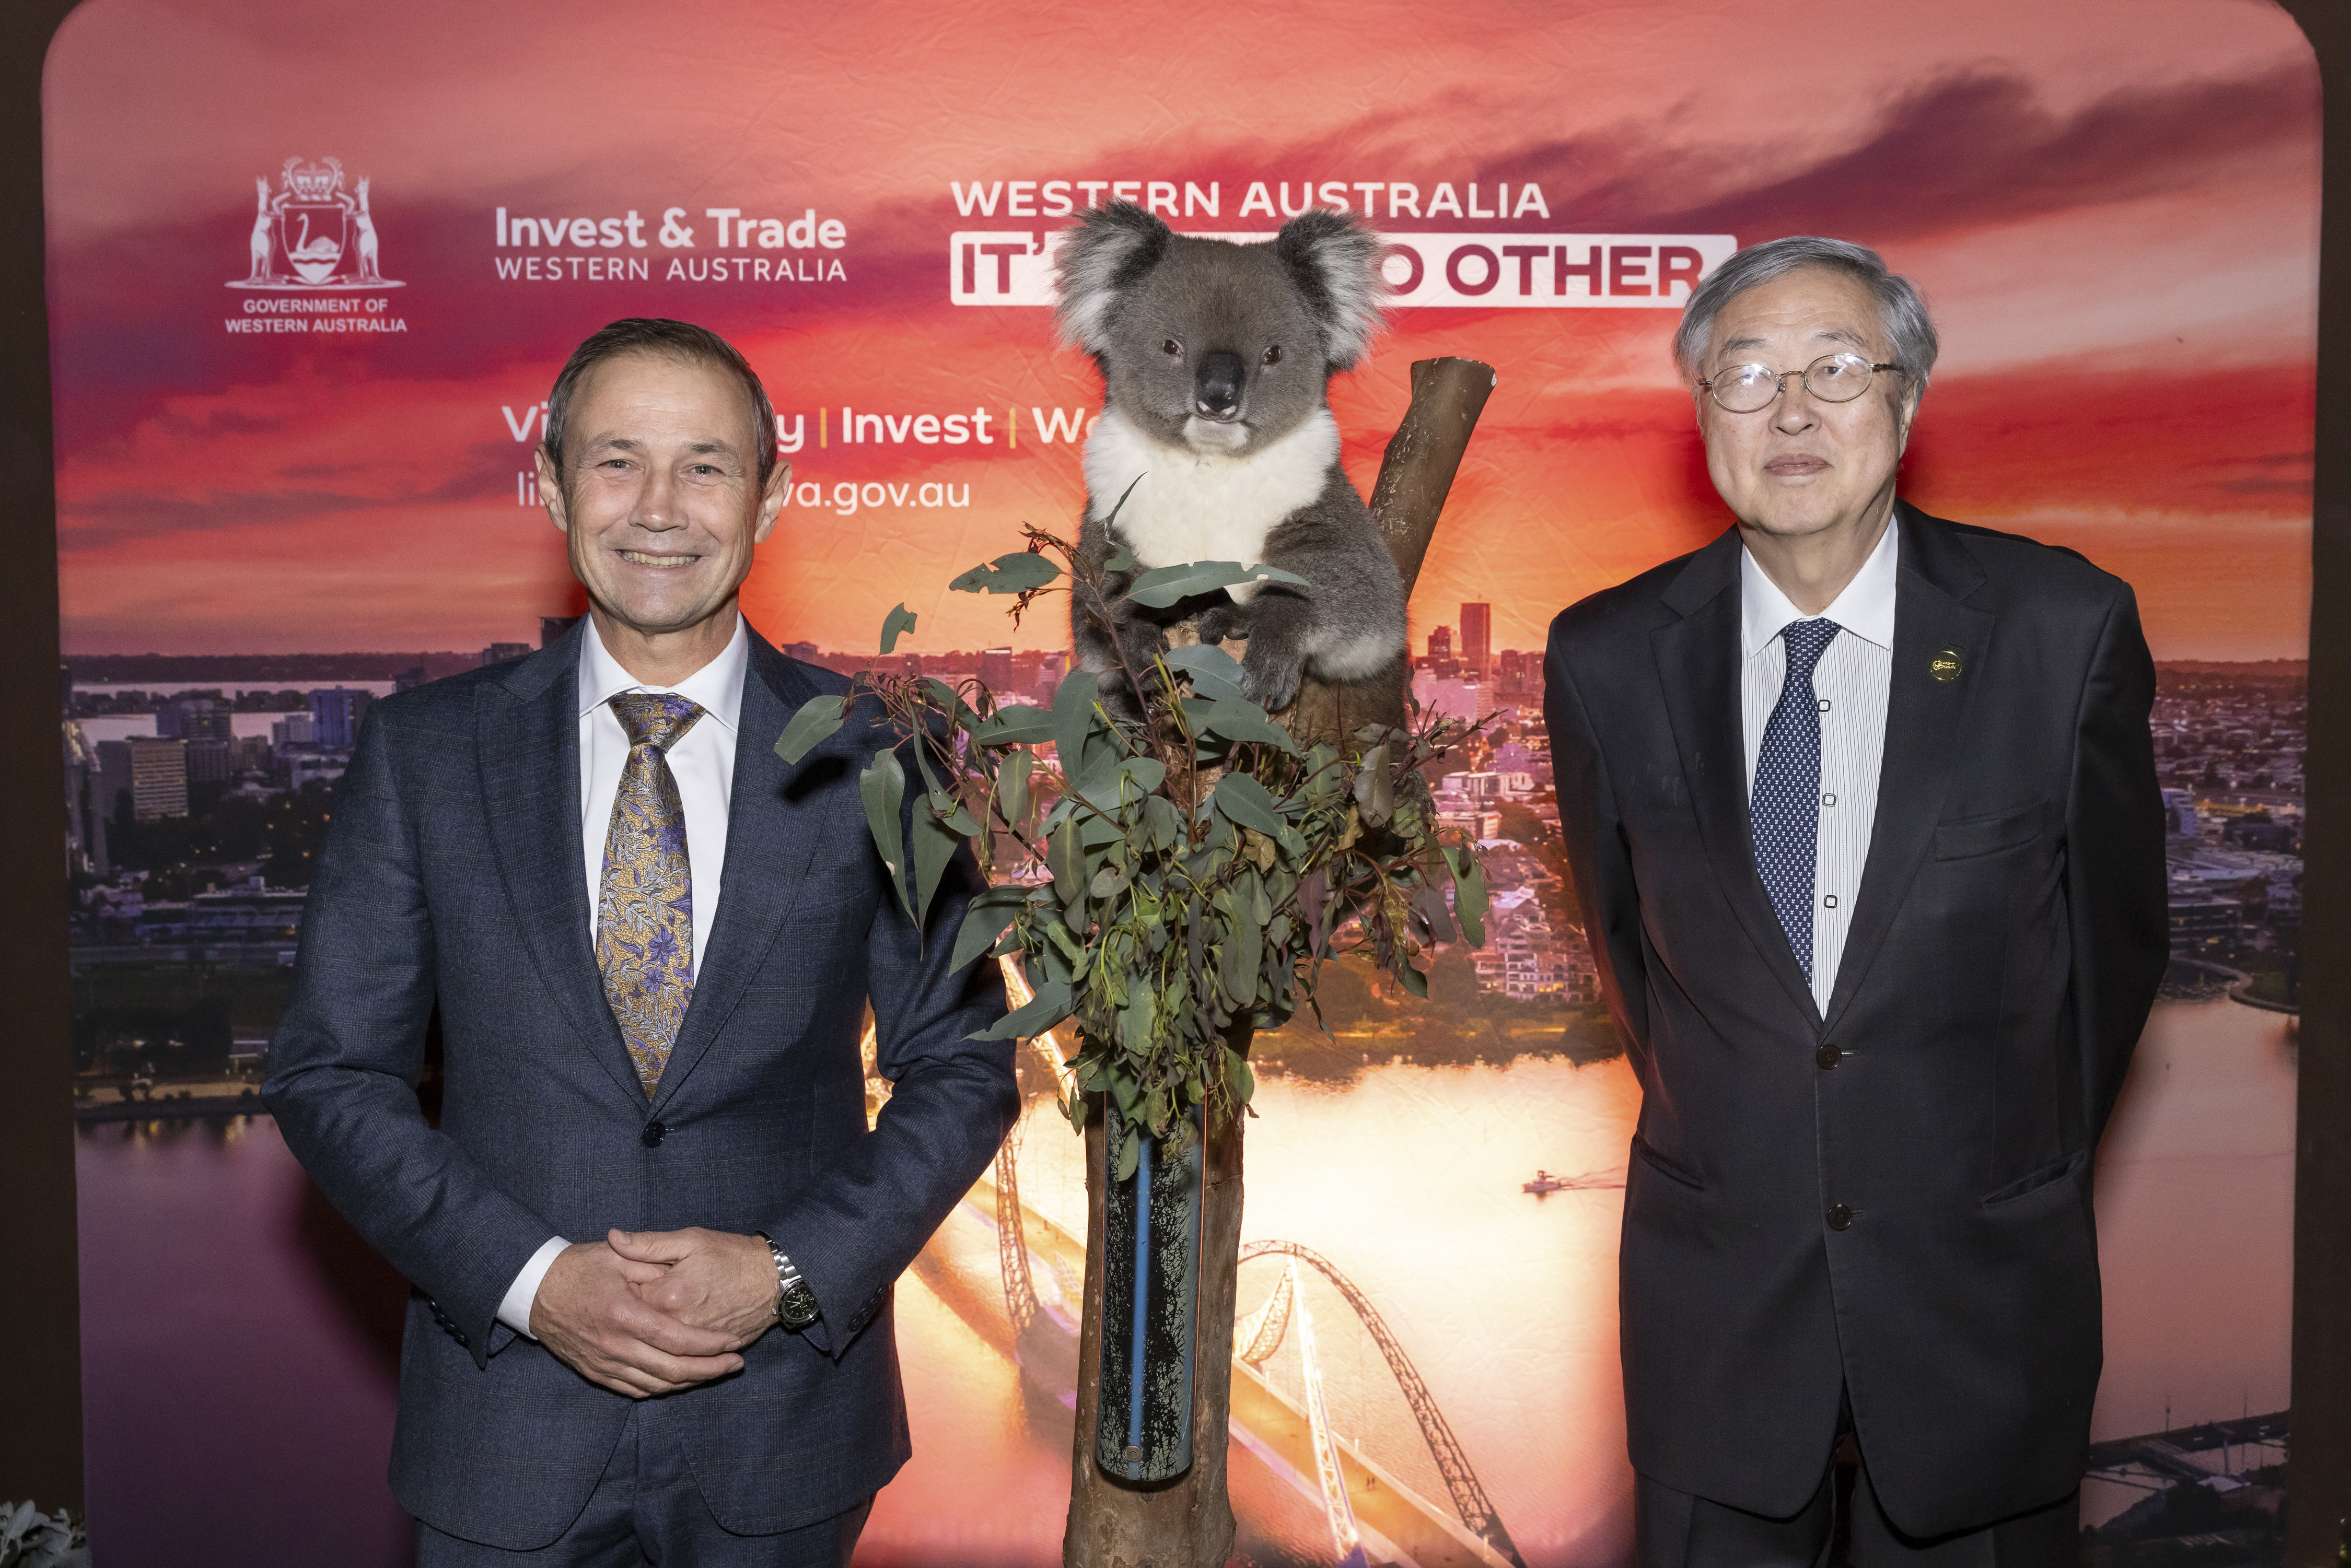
{"points": [[652, 1239], [1863, 815]]}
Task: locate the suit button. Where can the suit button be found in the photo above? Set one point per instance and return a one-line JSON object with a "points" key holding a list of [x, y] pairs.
{"points": [[654, 1133], [1828, 1056], [1840, 1217]]}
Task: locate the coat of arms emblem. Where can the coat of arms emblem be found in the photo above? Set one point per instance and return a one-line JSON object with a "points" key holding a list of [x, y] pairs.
{"points": [[311, 234]]}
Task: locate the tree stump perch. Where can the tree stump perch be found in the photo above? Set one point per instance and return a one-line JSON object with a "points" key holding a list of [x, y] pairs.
{"points": [[1187, 1522]]}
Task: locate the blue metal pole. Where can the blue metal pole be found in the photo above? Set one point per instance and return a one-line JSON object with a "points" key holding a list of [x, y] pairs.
{"points": [[1142, 1291]]}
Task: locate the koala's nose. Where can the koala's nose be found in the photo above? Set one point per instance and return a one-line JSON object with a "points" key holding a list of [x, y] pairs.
{"points": [[1217, 392]]}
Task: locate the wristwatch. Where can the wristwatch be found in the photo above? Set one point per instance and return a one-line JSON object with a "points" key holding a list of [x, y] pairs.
{"points": [[795, 1306]]}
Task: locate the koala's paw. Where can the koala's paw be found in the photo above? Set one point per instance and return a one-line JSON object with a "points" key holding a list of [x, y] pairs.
{"points": [[1270, 682], [1117, 694], [1221, 622]]}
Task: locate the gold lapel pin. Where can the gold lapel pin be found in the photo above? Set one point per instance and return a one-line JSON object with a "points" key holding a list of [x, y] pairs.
{"points": [[1945, 665]]}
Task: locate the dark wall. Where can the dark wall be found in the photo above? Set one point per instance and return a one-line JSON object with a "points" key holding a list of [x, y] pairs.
{"points": [[40, 1340], [2320, 1494]]}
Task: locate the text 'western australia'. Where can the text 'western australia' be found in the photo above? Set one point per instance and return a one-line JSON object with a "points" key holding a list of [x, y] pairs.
{"points": [[721, 244]]}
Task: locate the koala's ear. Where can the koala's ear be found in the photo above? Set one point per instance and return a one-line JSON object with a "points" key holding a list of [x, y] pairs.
{"points": [[1107, 253], [1335, 262]]}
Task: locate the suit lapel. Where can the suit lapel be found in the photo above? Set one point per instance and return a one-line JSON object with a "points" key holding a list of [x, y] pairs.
{"points": [[1698, 659], [769, 847], [1926, 727], [527, 743]]}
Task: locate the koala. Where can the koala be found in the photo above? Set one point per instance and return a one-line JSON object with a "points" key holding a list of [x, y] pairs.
{"points": [[1217, 360]]}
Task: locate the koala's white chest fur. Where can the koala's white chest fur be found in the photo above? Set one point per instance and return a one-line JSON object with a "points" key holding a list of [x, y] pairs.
{"points": [[1195, 507]]}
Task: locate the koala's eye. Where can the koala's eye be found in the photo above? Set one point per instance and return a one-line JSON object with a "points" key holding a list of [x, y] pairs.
{"points": [[1273, 355], [1172, 349]]}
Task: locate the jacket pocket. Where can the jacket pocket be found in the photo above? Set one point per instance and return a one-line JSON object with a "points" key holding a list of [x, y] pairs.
{"points": [[1972, 836], [1672, 1170], [2033, 1181]]}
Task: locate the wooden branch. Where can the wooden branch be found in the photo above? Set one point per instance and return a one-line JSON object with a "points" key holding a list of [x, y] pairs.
{"points": [[1416, 476], [1424, 454]]}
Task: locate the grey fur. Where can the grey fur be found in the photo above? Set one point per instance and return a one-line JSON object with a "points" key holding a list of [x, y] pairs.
{"points": [[1212, 419]]}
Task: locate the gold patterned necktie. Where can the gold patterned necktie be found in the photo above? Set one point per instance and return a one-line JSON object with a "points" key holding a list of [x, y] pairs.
{"points": [[644, 916]]}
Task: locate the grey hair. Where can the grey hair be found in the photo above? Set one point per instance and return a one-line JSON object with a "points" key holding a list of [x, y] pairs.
{"points": [[1909, 331]]}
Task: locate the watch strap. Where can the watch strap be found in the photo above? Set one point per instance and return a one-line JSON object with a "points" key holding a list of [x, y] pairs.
{"points": [[795, 1306]]}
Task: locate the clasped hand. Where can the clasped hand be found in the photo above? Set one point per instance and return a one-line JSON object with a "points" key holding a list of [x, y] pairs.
{"points": [[653, 1311]]}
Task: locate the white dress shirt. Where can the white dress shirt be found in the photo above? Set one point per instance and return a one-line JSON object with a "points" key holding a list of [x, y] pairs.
{"points": [[1851, 680], [703, 763]]}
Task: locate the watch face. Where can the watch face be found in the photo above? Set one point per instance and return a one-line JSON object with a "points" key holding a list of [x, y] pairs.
{"points": [[796, 1308]]}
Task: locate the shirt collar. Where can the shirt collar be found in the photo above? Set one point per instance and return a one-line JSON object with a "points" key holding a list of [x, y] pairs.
{"points": [[716, 688], [1866, 608]]}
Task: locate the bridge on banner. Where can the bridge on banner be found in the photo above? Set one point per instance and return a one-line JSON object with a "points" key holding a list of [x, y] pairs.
{"points": [[1374, 1516]]}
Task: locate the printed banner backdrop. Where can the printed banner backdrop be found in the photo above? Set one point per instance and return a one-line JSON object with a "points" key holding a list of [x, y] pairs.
{"points": [[313, 270]]}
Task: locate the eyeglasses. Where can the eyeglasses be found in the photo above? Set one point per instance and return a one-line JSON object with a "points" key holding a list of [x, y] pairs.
{"points": [[1832, 378]]}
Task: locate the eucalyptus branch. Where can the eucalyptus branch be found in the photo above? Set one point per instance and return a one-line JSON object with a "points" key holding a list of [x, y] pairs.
{"points": [[1155, 917]]}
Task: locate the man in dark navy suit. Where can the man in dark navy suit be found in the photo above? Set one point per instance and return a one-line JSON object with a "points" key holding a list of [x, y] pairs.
{"points": [[1862, 813], [652, 1239]]}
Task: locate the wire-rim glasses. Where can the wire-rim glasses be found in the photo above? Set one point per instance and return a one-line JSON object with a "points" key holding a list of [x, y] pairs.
{"points": [[1832, 378]]}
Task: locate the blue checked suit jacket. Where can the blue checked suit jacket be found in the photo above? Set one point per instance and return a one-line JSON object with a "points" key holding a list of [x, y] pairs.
{"points": [[453, 877]]}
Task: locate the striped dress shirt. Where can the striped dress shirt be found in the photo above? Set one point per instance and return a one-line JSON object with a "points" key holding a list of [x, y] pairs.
{"points": [[1851, 681]]}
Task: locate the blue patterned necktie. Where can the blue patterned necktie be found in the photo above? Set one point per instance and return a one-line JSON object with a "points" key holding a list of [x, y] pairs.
{"points": [[644, 916], [1786, 805]]}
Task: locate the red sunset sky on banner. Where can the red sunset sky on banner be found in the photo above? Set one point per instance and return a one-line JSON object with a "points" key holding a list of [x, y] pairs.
{"points": [[2120, 248]]}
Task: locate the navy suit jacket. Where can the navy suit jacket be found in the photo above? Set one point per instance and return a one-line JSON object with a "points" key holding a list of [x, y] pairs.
{"points": [[1892, 1194], [452, 876]]}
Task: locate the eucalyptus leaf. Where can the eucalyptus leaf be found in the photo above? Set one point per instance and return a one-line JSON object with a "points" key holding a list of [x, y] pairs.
{"points": [[1212, 672], [1074, 717], [1135, 1022], [816, 722], [1095, 772], [1012, 786], [1047, 958], [1374, 788], [1122, 558], [1469, 901], [1166, 823], [1015, 725], [1065, 862], [1048, 1007], [882, 788], [1169, 585], [1144, 774], [1007, 574], [1428, 906], [1129, 1150], [1245, 802], [1237, 720], [898, 623], [1244, 947], [1239, 1077], [984, 920], [1071, 950], [935, 843]]}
